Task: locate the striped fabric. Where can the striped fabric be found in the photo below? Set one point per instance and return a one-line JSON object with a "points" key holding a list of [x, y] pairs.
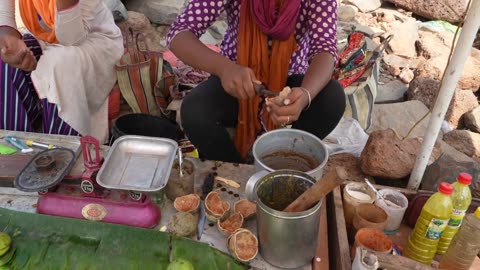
{"points": [[19, 102]]}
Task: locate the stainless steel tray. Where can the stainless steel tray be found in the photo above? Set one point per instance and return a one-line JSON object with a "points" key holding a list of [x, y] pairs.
{"points": [[138, 163]]}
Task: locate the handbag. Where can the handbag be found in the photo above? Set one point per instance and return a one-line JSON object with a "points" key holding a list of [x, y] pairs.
{"points": [[144, 77], [357, 72]]}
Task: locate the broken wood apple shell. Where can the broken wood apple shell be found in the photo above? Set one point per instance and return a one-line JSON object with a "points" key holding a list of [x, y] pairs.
{"points": [[243, 245], [231, 224], [245, 207], [188, 203], [215, 208]]}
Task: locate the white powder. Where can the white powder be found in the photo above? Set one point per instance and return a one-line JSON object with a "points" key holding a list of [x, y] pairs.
{"points": [[359, 195]]}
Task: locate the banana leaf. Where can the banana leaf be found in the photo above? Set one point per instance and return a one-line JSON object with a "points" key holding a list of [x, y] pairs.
{"points": [[51, 243]]}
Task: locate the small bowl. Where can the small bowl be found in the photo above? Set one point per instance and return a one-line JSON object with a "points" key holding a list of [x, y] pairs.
{"points": [[369, 216], [45, 163]]}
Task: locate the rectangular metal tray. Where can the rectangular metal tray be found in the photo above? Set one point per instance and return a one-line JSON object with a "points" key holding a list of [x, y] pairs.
{"points": [[138, 163]]}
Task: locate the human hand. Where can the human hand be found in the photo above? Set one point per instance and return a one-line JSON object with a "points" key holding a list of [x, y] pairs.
{"points": [[14, 51], [238, 81], [293, 106]]}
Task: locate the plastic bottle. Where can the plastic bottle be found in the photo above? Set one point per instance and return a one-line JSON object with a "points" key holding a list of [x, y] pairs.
{"points": [[461, 199], [465, 245], [422, 242]]}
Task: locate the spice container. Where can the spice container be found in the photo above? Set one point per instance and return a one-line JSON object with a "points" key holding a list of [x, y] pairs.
{"points": [[355, 194], [395, 208], [181, 185], [369, 216], [372, 239]]}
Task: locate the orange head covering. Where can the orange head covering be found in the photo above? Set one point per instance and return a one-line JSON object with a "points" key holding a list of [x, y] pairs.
{"points": [[271, 70], [30, 10]]}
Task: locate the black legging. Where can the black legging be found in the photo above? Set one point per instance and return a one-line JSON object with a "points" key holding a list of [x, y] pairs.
{"points": [[208, 110]]}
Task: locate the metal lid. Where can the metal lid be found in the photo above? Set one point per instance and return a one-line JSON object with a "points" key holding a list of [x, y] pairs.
{"points": [[45, 170]]}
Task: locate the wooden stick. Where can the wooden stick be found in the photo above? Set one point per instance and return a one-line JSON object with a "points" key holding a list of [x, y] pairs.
{"points": [[228, 182], [316, 192]]}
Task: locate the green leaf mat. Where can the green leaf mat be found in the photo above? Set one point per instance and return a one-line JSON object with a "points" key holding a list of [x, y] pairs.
{"points": [[51, 243]]}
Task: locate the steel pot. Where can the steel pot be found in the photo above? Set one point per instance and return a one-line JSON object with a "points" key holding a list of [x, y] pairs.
{"points": [[287, 240], [301, 148]]}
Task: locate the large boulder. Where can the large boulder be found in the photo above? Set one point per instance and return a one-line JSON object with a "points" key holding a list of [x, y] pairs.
{"points": [[464, 141], [401, 117], [405, 34], [448, 166], [366, 5], [446, 10], [139, 23], [472, 120], [435, 47], [158, 11], [388, 156], [426, 91]]}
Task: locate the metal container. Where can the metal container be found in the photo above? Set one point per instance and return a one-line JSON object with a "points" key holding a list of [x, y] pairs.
{"points": [[287, 240], [294, 149], [138, 163]]}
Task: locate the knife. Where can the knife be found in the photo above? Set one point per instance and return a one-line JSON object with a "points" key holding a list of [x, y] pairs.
{"points": [[261, 90], [207, 187]]}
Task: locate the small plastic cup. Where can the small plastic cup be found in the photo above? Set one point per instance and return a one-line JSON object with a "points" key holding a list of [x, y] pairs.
{"points": [[372, 239], [395, 209]]}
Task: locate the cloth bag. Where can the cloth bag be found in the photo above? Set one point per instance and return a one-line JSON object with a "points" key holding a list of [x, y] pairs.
{"points": [[144, 77], [357, 71]]}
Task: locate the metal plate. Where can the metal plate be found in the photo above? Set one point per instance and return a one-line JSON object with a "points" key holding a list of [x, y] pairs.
{"points": [[138, 163], [45, 170]]}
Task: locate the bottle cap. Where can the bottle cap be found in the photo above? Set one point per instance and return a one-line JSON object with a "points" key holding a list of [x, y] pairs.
{"points": [[445, 188], [464, 178], [477, 213]]}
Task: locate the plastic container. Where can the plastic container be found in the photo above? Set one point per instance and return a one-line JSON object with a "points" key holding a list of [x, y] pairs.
{"points": [[465, 245], [461, 199], [423, 241], [373, 240], [369, 216], [355, 194], [395, 210]]}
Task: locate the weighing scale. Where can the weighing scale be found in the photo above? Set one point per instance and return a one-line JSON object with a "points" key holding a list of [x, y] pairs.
{"points": [[84, 198]]}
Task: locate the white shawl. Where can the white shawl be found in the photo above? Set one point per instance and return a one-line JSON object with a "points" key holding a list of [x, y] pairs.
{"points": [[78, 73]]}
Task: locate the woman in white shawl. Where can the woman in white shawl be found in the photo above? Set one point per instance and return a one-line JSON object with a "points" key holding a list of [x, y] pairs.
{"points": [[57, 77]]}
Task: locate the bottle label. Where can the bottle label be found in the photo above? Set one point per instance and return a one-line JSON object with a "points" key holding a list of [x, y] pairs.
{"points": [[456, 218], [436, 228]]}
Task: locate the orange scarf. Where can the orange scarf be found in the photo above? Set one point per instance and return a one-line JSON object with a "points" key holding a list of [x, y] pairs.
{"points": [[31, 9], [252, 52]]}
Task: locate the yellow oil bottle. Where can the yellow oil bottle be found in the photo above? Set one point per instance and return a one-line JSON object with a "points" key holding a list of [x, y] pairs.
{"points": [[423, 241], [461, 199]]}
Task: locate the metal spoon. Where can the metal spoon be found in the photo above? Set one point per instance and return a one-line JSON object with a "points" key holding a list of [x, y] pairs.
{"points": [[379, 195], [180, 161]]}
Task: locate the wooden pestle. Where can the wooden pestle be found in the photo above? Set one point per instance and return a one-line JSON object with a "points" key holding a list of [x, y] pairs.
{"points": [[321, 188]]}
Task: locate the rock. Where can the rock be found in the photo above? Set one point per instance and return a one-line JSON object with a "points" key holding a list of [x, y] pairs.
{"points": [[445, 10], [366, 5], [350, 163], [118, 9], [400, 117], [406, 75], [472, 120], [158, 11], [346, 13], [391, 92], [394, 70], [387, 18], [447, 168], [387, 156], [426, 90], [464, 141], [436, 49], [138, 21], [402, 62], [404, 37]]}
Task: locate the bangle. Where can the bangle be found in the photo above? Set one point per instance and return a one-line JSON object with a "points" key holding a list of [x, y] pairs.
{"points": [[309, 97]]}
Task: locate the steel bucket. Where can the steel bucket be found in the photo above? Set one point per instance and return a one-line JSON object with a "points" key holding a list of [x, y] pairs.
{"points": [[292, 149], [287, 240]]}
